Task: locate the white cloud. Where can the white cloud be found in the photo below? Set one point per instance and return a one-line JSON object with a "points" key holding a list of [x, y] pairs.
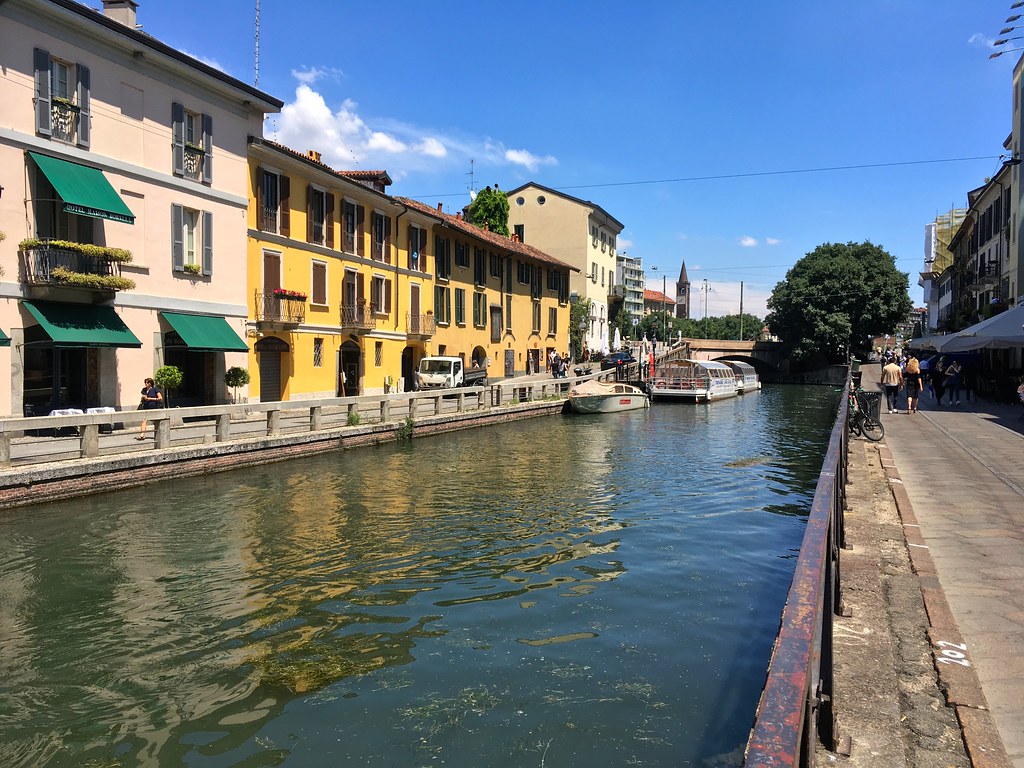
{"points": [[385, 143], [980, 40], [772, 241], [528, 159], [748, 242], [431, 147], [622, 244]]}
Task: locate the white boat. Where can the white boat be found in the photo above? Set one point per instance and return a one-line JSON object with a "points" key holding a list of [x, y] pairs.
{"points": [[606, 397], [746, 376], [698, 380]]}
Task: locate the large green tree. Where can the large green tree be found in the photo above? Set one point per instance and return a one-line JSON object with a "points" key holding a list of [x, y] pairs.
{"points": [[835, 298], [490, 207]]}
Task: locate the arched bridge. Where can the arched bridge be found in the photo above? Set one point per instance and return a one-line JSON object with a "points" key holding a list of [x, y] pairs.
{"points": [[767, 357]]}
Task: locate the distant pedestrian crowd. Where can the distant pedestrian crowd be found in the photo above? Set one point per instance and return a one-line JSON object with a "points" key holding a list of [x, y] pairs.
{"points": [[939, 378]]}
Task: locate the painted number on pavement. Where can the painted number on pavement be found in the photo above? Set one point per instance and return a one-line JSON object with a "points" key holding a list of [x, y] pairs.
{"points": [[952, 653]]}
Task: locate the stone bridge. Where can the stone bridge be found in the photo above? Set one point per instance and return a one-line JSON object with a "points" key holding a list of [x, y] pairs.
{"points": [[766, 356]]}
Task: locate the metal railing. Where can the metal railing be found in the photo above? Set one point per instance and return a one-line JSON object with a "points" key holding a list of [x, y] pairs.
{"points": [[420, 325], [358, 316], [38, 263], [275, 309], [796, 711]]}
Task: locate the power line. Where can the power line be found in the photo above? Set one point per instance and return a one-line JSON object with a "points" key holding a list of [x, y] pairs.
{"points": [[753, 174]]}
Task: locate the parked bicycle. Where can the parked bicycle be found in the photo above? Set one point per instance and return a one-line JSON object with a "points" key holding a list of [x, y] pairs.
{"points": [[860, 421]]}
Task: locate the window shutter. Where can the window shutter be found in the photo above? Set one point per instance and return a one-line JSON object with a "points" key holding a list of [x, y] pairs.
{"points": [[360, 218], [414, 252], [286, 205], [44, 119], [387, 297], [177, 238], [84, 117], [387, 239], [360, 292], [207, 122], [309, 213], [329, 221], [207, 243], [423, 250], [178, 138], [261, 214]]}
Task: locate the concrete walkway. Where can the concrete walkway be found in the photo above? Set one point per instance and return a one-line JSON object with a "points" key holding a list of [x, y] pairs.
{"points": [[957, 475]]}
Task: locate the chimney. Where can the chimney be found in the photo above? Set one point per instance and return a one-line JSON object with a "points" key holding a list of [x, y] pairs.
{"points": [[121, 11], [515, 237], [313, 155], [440, 206]]}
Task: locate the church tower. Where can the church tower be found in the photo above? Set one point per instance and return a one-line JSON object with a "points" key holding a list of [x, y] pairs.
{"points": [[683, 294]]}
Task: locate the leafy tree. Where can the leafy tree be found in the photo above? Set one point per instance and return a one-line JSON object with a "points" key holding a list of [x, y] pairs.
{"points": [[835, 298], [168, 378], [490, 207], [624, 322], [579, 315]]}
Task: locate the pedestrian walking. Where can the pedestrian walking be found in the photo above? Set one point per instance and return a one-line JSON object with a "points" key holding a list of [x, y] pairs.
{"points": [[952, 382], [938, 379], [892, 380], [912, 378]]}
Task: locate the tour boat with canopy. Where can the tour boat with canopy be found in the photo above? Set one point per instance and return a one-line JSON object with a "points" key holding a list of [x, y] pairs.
{"points": [[746, 376], [698, 380]]}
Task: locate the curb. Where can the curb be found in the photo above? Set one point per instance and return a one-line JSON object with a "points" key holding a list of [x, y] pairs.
{"points": [[950, 654]]}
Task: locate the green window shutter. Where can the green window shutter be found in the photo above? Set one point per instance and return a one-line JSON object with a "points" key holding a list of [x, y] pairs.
{"points": [[207, 123], [84, 117], [44, 119], [178, 138], [329, 220], [207, 243], [286, 206], [177, 238], [261, 214]]}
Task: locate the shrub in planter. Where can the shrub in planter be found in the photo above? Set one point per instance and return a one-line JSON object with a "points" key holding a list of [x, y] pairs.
{"points": [[168, 378], [236, 377]]}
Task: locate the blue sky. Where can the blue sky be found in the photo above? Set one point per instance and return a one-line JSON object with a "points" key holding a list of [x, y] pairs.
{"points": [[634, 106]]}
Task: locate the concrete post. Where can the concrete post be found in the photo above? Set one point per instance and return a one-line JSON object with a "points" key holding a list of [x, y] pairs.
{"points": [[90, 440], [223, 427], [385, 410], [273, 423], [162, 430], [314, 418]]}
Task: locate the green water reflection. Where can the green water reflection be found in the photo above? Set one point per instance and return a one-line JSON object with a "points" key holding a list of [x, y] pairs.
{"points": [[567, 591]]}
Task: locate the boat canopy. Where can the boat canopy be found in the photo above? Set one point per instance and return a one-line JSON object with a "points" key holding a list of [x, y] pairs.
{"points": [[744, 369]]}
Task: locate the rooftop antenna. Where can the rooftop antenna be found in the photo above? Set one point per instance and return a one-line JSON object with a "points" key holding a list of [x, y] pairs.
{"points": [[257, 49], [472, 181]]}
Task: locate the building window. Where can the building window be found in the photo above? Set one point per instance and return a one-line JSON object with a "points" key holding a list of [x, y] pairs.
{"points": [[191, 240], [316, 215], [593, 272], [380, 244], [62, 100], [479, 310], [541, 200], [319, 279], [524, 272], [318, 352], [442, 258], [552, 321], [192, 144], [496, 266], [593, 236], [520, 232], [602, 276], [380, 295], [442, 305], [604, 242], [479, 267], [353, 223], [417, 248], [461, 255], [378, 353], [520, 201], [272, 207], [536, 317], [460, 306]]}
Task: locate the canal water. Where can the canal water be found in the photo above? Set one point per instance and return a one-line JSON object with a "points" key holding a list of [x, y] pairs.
{"points": [[564, 591]]}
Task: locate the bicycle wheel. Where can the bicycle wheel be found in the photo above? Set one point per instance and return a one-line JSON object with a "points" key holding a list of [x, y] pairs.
{"points": [[854, 427], [872, 428]]}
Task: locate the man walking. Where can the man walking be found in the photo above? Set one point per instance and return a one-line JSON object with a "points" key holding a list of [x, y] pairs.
{"points": [[892, 380]]}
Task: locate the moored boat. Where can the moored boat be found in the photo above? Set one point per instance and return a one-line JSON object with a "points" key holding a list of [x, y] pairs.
{"points": [[746, 376], [698, 380], [606, 397]]}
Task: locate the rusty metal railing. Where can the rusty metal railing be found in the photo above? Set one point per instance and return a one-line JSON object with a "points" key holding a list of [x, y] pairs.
{"points": [[796, 711]]}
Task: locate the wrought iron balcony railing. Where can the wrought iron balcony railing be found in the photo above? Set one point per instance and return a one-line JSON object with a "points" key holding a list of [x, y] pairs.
{"points": [[357, 317], [420, 325], [45, 263], [274, 309]]}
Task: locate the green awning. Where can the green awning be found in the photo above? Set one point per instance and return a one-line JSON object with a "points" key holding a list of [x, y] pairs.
{"points": [[205, 333], [81, 325], [84, 190], [5, 340]]}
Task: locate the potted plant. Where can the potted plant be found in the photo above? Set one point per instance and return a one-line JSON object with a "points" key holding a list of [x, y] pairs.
{"points": [[192, 269], [285, 294], [236, 377], [168, 378]]}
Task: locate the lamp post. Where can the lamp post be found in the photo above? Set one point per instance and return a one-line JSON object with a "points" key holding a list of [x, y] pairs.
{"points": [[706, 288], [664, 311]]}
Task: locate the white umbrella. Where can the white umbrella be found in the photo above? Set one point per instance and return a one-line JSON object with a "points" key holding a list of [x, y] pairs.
{"points": [[617, 340], [1004, 331]]}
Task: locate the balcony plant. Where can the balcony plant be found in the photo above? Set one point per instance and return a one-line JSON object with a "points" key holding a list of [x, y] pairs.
{"points": [[192, 269], [284, 293], [65, 276], [119, 255]]}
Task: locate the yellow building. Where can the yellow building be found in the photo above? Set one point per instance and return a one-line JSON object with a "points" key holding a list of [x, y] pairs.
{"points": [[335, 302], [350, 287], [496, 300]]}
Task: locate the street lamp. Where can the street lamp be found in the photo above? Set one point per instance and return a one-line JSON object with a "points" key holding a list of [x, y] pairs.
{"points": [[664, 312], [706, 288]]}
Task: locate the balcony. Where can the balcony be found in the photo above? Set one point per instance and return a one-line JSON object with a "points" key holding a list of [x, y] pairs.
{"points": [[986, 277], [357, 317], [423, 326], [272, 308], [47, 266]]}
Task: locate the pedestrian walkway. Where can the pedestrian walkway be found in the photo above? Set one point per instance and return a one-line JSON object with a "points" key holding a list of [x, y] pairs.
{"points": [[957, 474]]}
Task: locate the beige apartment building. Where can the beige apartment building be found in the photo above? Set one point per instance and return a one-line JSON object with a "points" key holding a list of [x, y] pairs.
{"points": [[125, 183], [579, 233]]}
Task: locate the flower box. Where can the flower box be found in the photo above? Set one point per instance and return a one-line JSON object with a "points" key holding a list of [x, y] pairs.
{"points": [[282, 293]]}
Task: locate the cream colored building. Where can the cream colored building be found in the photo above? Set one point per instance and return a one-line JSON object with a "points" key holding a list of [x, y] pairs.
{"points": [[579, 233], [125, 192]]}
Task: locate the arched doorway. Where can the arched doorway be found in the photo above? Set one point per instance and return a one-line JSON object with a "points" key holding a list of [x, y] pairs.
{"points": [[268, 352], [479, 357], [351, 367], [409, 368]]}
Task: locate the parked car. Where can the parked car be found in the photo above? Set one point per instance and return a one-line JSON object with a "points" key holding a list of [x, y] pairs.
{"points": [[616, 359]]}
